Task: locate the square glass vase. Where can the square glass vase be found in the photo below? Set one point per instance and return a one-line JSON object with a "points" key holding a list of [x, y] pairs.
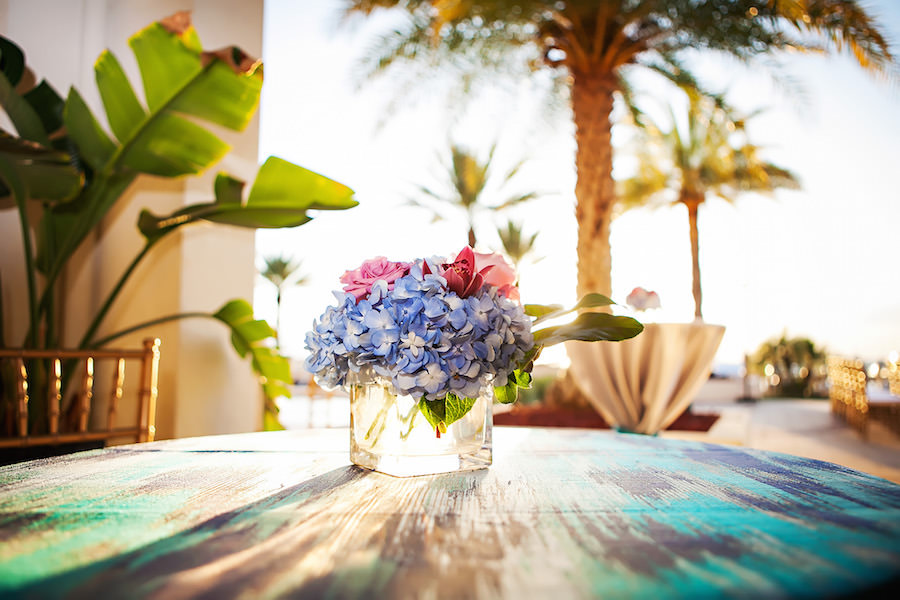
{"points": [[389, 434]]}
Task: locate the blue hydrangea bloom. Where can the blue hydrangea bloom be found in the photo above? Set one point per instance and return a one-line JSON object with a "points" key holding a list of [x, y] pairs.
{"points": [[422, 336]]}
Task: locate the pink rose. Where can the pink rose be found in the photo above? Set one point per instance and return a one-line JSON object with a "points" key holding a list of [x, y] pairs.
{"points": [[640, 299], [359, 281], [501, 274]]}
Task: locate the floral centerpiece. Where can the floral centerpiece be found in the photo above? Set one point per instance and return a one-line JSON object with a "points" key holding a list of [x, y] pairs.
{"points": [[442, 339]]}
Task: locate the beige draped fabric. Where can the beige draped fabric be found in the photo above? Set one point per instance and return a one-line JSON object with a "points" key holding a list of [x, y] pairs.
{"points": [[643, 384]]}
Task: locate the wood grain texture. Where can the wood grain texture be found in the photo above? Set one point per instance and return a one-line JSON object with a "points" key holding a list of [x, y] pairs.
{"points": [[561, 513]]}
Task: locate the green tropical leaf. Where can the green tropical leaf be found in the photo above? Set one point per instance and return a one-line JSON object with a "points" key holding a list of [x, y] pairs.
{"points": [[123, 110], [47, 104], [171, 146], [552, 311], [65, 225], [280, 182], [539, 310], [218, 96], [94, 145], [280, 197], [23, 116], [228, 190], [590, 327], [167, 63], [251, 336], [12, 61], [177, 77], [46, 174], [270, 419]]}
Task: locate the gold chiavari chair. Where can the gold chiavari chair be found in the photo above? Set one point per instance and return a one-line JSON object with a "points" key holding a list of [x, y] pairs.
{"points": [[72, 425], [894, 377], [847, 392], [887, 410]]}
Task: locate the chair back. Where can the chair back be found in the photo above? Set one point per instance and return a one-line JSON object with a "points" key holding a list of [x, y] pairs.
{"points": [[894, 377], [847, 391], [69, 422]]}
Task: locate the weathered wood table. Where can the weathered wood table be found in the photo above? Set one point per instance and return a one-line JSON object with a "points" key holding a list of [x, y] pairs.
{"points": [[561, 513]]}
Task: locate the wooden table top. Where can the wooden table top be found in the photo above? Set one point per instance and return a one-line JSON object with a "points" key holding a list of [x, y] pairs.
{"points": [[561, 513]]}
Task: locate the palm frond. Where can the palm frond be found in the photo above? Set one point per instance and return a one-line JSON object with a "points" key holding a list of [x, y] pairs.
{"points": [[516, 246]]}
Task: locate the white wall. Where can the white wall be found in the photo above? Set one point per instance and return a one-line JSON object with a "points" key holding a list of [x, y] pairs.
{"points": [[204, 387]]}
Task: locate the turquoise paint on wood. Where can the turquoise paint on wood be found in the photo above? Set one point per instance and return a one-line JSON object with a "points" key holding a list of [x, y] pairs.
{"points": [[568, 513]]}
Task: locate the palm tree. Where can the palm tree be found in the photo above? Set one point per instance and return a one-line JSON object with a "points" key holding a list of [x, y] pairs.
{"points": [[516, 246], [593, 44], [467, 183], [282, 272], [708, 155]]}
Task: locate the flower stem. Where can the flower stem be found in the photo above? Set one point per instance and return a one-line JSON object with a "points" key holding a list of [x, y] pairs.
{"points": [[380, 417], [412, 422]]}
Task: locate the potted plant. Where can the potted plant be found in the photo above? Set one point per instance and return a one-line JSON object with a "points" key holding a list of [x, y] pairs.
{"points": [[63, 173]]}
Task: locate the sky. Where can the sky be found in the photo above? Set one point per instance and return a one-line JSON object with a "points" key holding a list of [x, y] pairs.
{"points": [[819, 262]]}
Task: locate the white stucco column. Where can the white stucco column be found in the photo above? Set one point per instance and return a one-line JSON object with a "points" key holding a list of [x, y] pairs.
{"points": [[204, 387]]}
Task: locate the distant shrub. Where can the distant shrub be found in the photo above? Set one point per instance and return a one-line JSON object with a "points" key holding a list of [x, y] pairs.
{"points": [[792, 367], [537, 391]]}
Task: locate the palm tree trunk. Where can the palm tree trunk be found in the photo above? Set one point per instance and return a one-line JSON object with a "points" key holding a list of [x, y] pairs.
{"points": [[693, 205], [592, 102]]}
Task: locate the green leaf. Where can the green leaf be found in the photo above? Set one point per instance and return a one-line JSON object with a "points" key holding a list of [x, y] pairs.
{"points": [[252, 336], [544, 313], [455, 408], [446, 411], [433, 410], [123, 110], [280, 182], [166, 63], [257, 217], [592, 301], [23, 116], [70, 222], [508, 393], [521, 378], [46, 174], [590, 327], [271, 422], [160, 143], [280, 197], [93, 143], [47, 104], [228, 190], [220, 95], [170, 146], [12, 61], [539, 310]]}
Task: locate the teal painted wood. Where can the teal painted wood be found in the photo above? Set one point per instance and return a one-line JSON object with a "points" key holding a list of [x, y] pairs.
{"points": [[568, 513]]}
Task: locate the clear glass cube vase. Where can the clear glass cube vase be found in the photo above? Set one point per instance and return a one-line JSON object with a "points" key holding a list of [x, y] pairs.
{"points": [[389, 434]]}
